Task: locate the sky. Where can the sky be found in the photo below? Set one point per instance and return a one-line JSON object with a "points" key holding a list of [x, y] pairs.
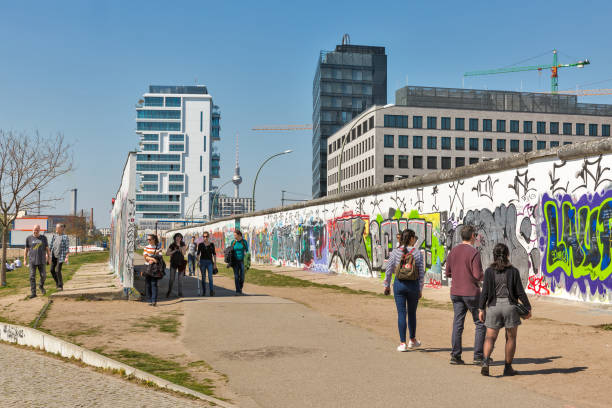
{"points": [[79, 67]]}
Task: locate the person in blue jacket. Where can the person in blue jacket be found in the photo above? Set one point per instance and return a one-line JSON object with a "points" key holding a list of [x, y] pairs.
{"points": [[240, 250]]}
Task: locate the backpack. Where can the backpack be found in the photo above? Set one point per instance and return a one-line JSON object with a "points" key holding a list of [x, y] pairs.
{"points": [[406, 269], [229, 255], [157, 270]]}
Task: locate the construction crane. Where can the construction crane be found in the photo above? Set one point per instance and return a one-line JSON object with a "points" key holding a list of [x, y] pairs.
{"points": [[554, 67], [280, 128]]}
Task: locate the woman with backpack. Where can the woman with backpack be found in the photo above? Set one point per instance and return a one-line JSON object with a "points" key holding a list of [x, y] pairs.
{"points": [[154, 264], [501, 290], [208, 262], [176, 251], [406, 261], [240, 247]]}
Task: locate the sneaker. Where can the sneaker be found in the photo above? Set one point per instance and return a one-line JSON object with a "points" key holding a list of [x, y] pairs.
{"points": [[485, 370], [154, 304], [480, 361], [32, 296], [509, 371], [456, 360], [402, 347], [414, 344]]}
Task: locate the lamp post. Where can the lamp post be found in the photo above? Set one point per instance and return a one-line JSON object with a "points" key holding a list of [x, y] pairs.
{"points": [[216, 195], [344, 139], [260, 167]]}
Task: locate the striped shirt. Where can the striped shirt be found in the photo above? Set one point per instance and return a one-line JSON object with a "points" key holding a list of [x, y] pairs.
{"points": [[396, 257], [60, 251], [149, 250]]}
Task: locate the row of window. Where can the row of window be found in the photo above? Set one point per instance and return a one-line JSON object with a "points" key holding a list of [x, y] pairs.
{"points": [[158, 157], [353, 169], [157, 167], [474, 143], [150, 187], [401, 121], [350, 74], [344, 102], [150, 147], [157, 101], [158, 197], [160, 216], [158, 114], [157, 207], [176, 147], [176, 187], [432, 162], [358, 184], [353, 151], [355, 132], [346, 88], [176, 177], [160, 126]]}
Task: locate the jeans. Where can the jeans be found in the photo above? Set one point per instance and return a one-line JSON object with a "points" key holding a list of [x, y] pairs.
{"points": [[461, 304], [56, 271], [238, 274], [151, 283], [43, 275], [207, 264], [181, 275], [406, 294], [191, 260]]}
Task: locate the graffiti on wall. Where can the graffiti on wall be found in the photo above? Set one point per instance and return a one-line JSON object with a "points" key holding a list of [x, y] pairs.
{"points": [[576, 241], [554, 216]]}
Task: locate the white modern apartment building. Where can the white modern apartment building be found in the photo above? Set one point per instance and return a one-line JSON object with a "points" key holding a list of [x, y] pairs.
{"points": [[176, 160], [443, 128]]}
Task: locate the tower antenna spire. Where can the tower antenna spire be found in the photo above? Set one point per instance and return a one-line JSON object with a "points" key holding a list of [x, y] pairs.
{"points": [[237, 179]]}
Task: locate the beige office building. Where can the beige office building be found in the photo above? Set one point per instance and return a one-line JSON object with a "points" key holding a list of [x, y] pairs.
{"points": [[430, 129]]}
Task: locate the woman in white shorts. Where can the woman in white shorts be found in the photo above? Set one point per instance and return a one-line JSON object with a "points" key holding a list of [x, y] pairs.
{"points": [[501, 290]]}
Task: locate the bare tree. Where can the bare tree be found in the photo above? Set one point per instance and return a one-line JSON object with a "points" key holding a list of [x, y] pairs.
{"points": [[27, 165]]}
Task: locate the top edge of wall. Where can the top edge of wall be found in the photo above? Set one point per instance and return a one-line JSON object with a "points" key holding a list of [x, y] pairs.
{"points": [[567, 152]]}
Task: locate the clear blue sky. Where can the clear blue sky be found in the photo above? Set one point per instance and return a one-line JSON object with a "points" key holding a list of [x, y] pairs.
{"points": [[79, 67]]}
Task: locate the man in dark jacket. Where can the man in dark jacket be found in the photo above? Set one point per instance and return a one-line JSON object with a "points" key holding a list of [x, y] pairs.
{"points": [[464, 267]]}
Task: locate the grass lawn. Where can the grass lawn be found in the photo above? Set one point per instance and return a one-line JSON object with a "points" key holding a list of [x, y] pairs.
{"points": [[19, 279]]}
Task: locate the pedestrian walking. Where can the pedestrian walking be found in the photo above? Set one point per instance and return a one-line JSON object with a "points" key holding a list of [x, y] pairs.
{"points": [[37, 255], [176, 251], [208, 262], [502, 288], [60, 246], [406, 262], [191, 255], [464, 267], [240, 248], [152, 273]]}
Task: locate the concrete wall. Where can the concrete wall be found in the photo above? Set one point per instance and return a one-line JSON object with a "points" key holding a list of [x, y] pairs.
{"points": [[123, 227], [553, 209]]}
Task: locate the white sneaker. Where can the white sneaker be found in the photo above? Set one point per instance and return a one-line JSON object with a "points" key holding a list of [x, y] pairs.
{"points": [[402, 347], [414, 344]]}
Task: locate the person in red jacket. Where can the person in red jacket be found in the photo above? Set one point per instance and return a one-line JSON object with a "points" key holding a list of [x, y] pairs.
{"points": [[464, 267]]}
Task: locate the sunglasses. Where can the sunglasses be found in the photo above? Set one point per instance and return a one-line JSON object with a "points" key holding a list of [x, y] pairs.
{"points": [[205, 236]]}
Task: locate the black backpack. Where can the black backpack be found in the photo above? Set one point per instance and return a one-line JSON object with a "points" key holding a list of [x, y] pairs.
{"points": [[229, 255], [158, 269]]}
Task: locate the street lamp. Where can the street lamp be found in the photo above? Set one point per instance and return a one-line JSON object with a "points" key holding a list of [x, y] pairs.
{"points": [[260, 167], [345, 138], [216, 195]]}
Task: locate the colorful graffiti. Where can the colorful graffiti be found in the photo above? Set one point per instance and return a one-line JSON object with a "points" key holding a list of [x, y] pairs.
{"points": [[554, 215], [576, 241]]}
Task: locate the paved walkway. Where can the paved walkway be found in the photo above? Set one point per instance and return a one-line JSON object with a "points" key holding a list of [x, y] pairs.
{"points": [[92, 281], [284, 354], [565, 311], [31, 379]]}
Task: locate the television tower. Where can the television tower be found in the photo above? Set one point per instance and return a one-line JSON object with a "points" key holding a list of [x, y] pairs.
{"points": [[237, 179]]}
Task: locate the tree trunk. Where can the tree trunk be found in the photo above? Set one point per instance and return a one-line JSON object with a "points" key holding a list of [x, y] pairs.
{"points": [[3, 266]]}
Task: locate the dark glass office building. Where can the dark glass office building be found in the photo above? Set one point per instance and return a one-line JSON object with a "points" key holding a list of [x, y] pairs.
{"points": [[348, 80]]}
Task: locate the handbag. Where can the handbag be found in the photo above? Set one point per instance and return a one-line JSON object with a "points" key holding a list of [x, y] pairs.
{"points": [[522, 310], [215, 270]]}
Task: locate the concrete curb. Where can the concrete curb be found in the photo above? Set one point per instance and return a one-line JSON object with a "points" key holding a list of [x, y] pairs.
{"points": [[26, 336]]}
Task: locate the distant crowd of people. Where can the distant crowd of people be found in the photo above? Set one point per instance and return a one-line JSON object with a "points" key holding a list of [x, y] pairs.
{"points": [[200, 253], [494, 307]]}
